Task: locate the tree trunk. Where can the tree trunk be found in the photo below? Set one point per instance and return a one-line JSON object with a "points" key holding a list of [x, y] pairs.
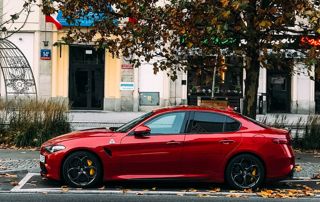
{"points": [[251, 87], [252, 63]]}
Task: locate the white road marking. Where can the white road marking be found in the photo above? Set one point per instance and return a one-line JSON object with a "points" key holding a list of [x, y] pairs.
{"points": [[23, 181], [18, 189], [301, 180]]}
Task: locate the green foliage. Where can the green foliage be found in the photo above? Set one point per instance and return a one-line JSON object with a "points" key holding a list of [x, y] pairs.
{"points": [[32, 122]]}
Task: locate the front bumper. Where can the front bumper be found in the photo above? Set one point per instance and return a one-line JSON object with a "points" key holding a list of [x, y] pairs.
{"points": [[51, 167]]}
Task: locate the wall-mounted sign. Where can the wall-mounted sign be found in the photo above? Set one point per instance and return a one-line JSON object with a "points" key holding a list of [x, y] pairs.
{"points": [[45, 54], [88, 52], [127, 66], [126, 86], [149, 98]]}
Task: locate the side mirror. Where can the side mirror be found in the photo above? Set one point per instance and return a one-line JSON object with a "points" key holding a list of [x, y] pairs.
{"points": [[142, 130]]}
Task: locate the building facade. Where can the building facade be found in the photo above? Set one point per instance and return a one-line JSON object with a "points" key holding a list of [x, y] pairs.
{"points": [[91, 79]]}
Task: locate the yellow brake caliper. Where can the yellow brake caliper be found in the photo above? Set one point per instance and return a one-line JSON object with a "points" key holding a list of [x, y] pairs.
{"points": [[254, 173], [92, 171]]}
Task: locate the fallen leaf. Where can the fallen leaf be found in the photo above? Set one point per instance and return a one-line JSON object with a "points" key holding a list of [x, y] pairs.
{"points": [[203, 195], [64, 188], [14, 183], [139, 193], [8, 175], [102, 188], [215, 190], [154, 188], [298, 168], [180, 194], [125, 190], [247, 190], [234, 195]]}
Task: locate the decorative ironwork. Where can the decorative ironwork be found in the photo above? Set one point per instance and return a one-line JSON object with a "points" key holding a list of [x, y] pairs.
{"points": [[17, 73]]}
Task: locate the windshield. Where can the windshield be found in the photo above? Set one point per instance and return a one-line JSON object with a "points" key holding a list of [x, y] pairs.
{"points": [[128, 126]]}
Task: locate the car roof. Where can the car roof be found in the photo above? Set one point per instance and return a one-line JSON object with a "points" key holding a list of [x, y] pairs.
{"points": [[194, 108]]}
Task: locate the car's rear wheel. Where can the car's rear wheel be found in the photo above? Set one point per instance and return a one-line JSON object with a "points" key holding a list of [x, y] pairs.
{"points": [[245, 171], [82, 169]]}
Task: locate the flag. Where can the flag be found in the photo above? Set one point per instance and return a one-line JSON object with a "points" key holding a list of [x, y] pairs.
{"points": [[53, 19]]}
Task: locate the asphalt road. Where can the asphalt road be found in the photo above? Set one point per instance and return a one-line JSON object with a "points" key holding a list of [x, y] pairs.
{"points": [[15, 197]]}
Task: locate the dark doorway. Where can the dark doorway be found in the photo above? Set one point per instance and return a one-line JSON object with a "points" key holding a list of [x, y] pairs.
{"points": [[279, 87], [86, 77]]}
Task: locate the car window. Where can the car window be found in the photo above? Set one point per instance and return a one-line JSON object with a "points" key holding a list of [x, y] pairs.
{"points": [[170, 123], [231, 125], [208, 122]]}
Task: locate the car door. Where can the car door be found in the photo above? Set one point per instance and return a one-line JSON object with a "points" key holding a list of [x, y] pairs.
{"points": [[158, 154], [209, 140]]}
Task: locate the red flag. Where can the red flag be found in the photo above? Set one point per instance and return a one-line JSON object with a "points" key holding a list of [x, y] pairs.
{"points": [[53, 20]]}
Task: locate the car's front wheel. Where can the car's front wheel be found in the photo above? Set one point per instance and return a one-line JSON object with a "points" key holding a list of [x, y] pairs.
{"points": [[82, 169], [245, 171]]}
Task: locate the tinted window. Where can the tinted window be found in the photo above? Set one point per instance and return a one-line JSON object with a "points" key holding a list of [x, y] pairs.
{"points": [[231, 125], [206, 122], [171, 123]]}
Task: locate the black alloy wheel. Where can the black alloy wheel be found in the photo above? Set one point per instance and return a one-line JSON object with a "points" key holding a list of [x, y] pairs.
{"points": [[245, 171], [82, 169]]}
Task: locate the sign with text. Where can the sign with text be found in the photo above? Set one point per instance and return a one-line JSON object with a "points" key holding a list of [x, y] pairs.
{"points": [[127, 66], [126, 86], [45, 54]]}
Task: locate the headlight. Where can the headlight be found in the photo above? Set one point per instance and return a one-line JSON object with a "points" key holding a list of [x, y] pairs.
{"points": [[55, 148]]}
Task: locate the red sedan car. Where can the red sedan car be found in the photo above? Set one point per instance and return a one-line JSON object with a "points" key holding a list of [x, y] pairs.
{"points": [[174, 143]]}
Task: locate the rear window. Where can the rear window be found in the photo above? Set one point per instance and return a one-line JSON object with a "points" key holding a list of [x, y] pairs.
{"points": [[208, 122]]}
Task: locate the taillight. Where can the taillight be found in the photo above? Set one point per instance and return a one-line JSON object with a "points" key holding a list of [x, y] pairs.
{"points": [[280, 141]]}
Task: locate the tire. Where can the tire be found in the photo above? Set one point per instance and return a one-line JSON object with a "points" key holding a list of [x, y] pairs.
{"points": [[82, 169], [245, 171]]}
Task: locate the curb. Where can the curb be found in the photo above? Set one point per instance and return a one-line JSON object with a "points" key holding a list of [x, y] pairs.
{"points": [[14, 171]]}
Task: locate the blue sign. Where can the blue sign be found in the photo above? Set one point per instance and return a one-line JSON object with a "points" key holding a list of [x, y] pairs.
{"points": [[45, 54], [86, 21]]}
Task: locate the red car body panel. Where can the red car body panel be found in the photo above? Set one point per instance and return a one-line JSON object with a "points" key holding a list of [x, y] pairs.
{"points": [[193, 156]]}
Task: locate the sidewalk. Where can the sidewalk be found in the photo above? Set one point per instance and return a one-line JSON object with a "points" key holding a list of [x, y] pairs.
{"points": [[96, 119], [11, 160]]}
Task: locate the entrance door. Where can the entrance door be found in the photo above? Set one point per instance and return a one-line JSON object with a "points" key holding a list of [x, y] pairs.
{"points": [[86, 77], [279, 92]]}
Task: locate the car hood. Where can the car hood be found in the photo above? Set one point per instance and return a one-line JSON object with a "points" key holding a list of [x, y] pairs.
{"points": [[94, 132]]}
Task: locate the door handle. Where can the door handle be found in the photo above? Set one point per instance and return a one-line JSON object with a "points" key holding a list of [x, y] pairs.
{"points": [[226, 141], [173, 142]]}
